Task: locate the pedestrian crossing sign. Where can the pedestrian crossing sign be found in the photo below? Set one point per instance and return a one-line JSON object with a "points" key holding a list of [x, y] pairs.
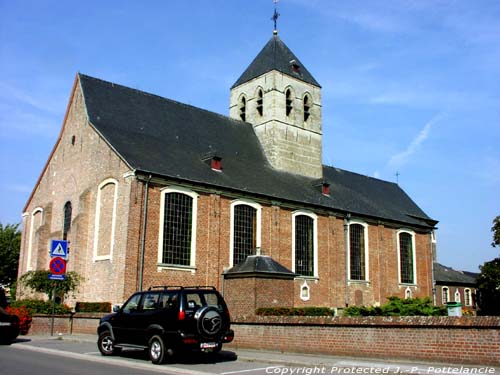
{"points": [[59, 248]]}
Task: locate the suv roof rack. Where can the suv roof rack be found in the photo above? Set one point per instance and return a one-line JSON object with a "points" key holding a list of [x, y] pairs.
{"points": [[167, 287]]}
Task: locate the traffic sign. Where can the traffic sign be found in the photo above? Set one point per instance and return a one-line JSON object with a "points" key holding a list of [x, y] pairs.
{"points": [[57, 266], [59, 248]]}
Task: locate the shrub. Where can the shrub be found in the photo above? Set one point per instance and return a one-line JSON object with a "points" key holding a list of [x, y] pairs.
{"points": [[104, 307], [295, 311], [399, 307], [41, 307], [24, 318]]}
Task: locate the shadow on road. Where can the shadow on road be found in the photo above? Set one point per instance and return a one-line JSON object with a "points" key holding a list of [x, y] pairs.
{"points": [[185, 358]]}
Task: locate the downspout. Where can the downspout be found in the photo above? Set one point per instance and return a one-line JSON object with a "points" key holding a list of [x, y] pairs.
{"points": [[346, 242], [143, 236]]}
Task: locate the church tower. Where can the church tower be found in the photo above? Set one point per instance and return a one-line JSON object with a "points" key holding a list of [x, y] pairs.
{"points": [[282, 100]]}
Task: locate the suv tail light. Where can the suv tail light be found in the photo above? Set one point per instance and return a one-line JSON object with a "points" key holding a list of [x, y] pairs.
{"points": [[182, 314]]}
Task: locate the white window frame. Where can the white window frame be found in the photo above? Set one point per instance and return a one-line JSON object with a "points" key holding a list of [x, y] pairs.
{"points": [[445, 291], [97, 221], [29, 259], [412, 233], [314, 217], [367, 259], [258, 218], [194, 226], [468, 297]]}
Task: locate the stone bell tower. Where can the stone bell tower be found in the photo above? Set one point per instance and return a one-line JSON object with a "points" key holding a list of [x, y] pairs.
{"points": [[282, 100]]}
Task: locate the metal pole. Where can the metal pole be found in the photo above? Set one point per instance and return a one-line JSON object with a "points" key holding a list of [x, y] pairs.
{"points": [[53, 310]]}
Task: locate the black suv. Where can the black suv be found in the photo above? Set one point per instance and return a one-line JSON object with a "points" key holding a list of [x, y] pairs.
{"points": [[165, 320]]}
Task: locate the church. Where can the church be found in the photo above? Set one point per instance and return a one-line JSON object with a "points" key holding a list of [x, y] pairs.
{"points": [[150, 191]]}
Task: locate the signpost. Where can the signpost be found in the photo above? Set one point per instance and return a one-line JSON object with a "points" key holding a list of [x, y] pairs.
{"points": [[57, 266]]}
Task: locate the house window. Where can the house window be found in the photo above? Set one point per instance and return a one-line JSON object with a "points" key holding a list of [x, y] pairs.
{"points": [[66, 220], [178, 228], [307, 108], [357, 251], [406, 258], [304, 244], [445, 295], [245, 230], [288, 102], [243, 108], [467, 297], [260, 101], [105, 219]]}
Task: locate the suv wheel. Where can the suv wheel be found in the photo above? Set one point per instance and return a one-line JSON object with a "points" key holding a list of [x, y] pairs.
{"points": [[106, 344], [208, 322], [158, 352]]}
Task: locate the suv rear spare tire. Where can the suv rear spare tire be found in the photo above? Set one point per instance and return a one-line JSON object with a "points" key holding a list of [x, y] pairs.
{"points": [[208, 322]]}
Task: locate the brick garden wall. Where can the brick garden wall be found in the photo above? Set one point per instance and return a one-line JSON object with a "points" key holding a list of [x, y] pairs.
{"points": [[464, 340]]}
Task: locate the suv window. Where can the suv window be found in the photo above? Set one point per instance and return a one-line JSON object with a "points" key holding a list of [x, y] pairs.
{"points": [[197, 299], [169, 300], [132, 304], [150, 301]]}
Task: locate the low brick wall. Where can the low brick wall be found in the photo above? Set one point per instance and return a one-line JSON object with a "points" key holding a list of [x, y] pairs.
{"points": [[66, 324], [460, 340]]}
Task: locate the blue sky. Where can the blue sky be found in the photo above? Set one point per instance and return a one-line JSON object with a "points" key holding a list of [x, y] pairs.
{"points": [[408, 86]]}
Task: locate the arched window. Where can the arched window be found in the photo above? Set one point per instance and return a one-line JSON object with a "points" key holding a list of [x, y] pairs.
{"points": [[245, 230], [66, 220], [178, 228], [260, 102], [307, 107], [406, 258], [35, 224], [445, 295], [467, 297], [357, 251], [105, 219], [304, 244], [408, 293], [243, 108], [288, 101], [457, 296]]}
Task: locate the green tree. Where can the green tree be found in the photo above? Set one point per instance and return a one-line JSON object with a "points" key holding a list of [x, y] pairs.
{"points": [[496, 231], [39, 282], [10, 243], [488, 284]]}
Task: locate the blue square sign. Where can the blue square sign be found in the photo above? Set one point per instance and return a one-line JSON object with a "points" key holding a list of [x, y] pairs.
{"points": [[59, 248]]}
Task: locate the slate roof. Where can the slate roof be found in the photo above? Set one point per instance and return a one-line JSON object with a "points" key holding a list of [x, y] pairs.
{"points": [[276, 56], [448, 276], [259, 266], [166, 138]]}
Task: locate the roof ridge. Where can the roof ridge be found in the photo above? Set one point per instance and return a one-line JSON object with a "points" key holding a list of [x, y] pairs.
{"points": [[145, 93], [362, 175]]}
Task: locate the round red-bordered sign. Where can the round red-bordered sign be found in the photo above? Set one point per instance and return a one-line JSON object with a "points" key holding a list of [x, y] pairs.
{"points": [[57, 266]]}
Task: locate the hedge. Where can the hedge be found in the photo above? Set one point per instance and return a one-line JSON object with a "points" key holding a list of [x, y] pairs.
{"points": [[104, 307], [398, 307], [41, 307], [295, 311]]}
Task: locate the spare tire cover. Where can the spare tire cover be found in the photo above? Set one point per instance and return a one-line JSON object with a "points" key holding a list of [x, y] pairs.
{"points": [[208, 321]]}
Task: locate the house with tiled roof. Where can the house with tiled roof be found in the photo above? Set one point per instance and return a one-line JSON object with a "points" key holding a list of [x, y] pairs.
{"points": [[455, 286], [150, 191]]}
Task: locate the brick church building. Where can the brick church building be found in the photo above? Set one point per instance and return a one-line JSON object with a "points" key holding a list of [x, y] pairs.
{"points": [[150, 191]]}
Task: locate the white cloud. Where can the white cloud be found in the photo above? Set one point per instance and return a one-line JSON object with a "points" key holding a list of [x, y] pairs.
{"points": [[401, 158]]}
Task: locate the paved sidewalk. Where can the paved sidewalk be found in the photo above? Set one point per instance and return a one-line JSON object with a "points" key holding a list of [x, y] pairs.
{"points": [[310, 364]]}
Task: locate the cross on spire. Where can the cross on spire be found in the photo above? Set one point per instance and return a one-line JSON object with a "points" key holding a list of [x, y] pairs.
{"points": [[275, 17]]}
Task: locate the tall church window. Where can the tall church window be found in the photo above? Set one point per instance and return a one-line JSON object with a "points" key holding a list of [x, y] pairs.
{"points": [[357, 252], [178, 228], [260, 102], [288, 101], [406, 258], [467, 297], [66, 220], [304, 244], [35, 224], [243, 108], [307, 108], [245, 230], [445, 295], [105, 219]]}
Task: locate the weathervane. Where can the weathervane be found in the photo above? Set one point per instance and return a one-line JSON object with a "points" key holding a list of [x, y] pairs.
{"points": [[275, 17]]}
